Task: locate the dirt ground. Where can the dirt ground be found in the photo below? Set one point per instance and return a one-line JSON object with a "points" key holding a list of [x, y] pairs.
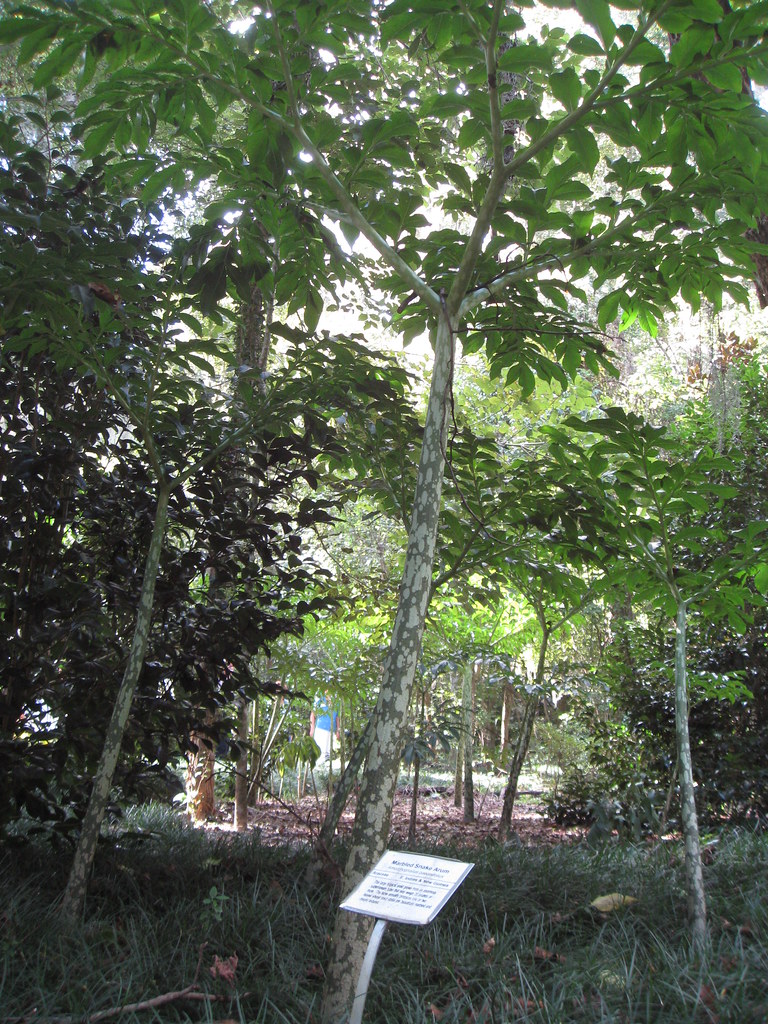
{"points": [[295, 824]]}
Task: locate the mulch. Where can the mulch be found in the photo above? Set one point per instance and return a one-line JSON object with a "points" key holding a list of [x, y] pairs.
{"points": [[438, 820]]}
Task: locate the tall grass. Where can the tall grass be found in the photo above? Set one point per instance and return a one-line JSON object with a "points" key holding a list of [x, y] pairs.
{"points": [[518, 942]]}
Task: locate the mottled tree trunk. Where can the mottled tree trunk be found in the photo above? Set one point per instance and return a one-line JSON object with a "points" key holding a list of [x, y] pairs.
{"points": [[458, 775], [414, 800], [507, 702], [241, 768], [467, 728], [694, 878], [516, 763], [321, 851], [77, 884], [374, 806], [253, 796], [458, 769]]}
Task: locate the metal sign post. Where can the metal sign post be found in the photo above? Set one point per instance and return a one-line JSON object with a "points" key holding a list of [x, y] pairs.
{"points": [[365, 971], [402, 887]]}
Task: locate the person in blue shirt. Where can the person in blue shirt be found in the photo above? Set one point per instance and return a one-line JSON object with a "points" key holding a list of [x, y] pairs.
{"points": [[323, 724]]}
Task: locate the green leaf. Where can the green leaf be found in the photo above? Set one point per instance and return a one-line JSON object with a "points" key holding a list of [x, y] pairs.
{"points": [[597, 13], [585, 46], [519, 110], [706, 10], [584, 145], [695, 40], [459, 177], [526, 380], [57, 64], [98, 138], [523, 58], [15, 26], [312, 309], [471, 131], [761, 578], [37, 41], [608, 308], [725, 76], [566, 88]]}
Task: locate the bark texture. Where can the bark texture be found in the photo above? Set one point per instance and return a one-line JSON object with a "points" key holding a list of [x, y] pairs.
{"points": [[524, 735], [414, 800], [467, 737], [374, 806], [694, 877], [241, 768], [199, 781], [321, 851], [72, 903], [516, 763]]}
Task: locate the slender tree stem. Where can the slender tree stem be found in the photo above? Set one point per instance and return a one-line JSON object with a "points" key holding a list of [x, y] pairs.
{"points": [[72, 903], [697, 903], [374, 805]]}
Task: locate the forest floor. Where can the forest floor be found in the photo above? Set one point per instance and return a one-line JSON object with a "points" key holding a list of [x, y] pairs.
{"points": [[439, 821], [188, 925]]}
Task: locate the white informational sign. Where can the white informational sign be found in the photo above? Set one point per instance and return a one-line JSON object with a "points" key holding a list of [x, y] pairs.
{"points": [[407, 888]]}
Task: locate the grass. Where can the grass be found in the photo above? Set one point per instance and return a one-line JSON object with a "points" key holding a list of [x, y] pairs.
{"points": [[518, 942]]}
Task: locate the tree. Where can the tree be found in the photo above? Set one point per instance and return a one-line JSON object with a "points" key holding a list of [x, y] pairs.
{"points": [[337, 115], [664, 515]]}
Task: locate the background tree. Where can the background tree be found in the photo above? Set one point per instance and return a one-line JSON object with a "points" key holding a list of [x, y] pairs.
{"points": [[659, 511]]}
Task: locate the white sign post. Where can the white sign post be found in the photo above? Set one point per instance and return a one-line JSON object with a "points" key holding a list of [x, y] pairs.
{"points": [[402, 887]]}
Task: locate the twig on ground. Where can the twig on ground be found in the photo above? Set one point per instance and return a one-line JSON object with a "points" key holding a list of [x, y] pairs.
{"points": [[190, 992]]}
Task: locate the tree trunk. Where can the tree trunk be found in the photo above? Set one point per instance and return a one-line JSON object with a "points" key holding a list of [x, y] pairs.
{"points": [[525, 733], [467, 728], [414, 801], [506, 718], [72, 903], [374, 805], [254, 759], [694, 879], [201, 764], [516, 763], [321, 852], [458, 775], [458, 768], [241, 768]]}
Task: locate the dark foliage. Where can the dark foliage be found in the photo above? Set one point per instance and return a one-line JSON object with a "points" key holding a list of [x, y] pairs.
{"points": [[97, 400]]}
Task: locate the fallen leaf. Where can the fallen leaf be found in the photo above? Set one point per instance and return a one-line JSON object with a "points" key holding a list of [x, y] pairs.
{"points": [[224, 969], [522, 1007], [539, 953], [437, 1013], [315, 972], [708, 1002], [275, 890], [488, 946], [614, 900]]}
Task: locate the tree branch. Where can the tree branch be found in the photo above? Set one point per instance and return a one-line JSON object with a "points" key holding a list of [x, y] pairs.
{"points": [[348, 205], [589, 101]]}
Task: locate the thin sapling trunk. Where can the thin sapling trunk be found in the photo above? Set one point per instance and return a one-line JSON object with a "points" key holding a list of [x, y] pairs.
{"points": [[73, 901]]}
